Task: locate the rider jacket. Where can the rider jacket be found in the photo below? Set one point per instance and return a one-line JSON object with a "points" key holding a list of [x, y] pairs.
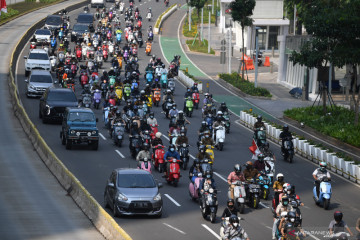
{"points": [[143, 154], [232, 232], [156, 141], [182, 139], [170, 154], [208, 141], [204, 185], [258, 125], [250, 173], [260, 166], [202, 156]]}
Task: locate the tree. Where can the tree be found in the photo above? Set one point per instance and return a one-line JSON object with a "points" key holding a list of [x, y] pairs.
{"points": [[241, 12], [335, 37], [198, 4]]}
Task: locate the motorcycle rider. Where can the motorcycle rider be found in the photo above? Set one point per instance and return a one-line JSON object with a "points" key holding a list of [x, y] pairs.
{"points": [[229, 210], [235, 230], [128, 106], [250, 172], [319, 174], [202, 154], [206, 183], [144, 153], [194, 87], [207, 99], [168, 95], [182, 139], [147, 90], [235, 175], [338, 225], [181, 119], [117, 119], [171, 153], [219, 122], [223, 108], [163, 69], [153, 57], [259, 124], [194, 170], [278, 187], [111, 93], [188, 93], [281, 210], [149, 68], [202, 129], [151, 120], [207, 140], [267, 152], [156, 141], [284, 135], [174, 112], [260, 163]]}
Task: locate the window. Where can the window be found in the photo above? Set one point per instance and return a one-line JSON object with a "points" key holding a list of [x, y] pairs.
{"points": [[273, 33], [81, 117], [39, 56], [136, 181], [262, 37], [41, 78], [62, 96]]}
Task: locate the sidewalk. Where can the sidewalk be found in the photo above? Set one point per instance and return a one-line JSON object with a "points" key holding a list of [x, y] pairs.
{"points": [[206, 68]]}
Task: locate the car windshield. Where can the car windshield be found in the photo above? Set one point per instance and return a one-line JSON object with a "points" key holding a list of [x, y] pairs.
{"points": [[78, 27], [85, 18], [42, 32], [41, 79], [39, 56], [53, 21], [81, 117], [136, 181], [62, 96]]}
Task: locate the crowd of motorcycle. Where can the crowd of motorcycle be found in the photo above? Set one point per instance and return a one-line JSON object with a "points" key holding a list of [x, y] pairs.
{"points": [[120, 46]]}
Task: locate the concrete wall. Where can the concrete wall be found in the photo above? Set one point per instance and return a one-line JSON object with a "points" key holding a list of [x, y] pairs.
{"points": [[268, 9]]}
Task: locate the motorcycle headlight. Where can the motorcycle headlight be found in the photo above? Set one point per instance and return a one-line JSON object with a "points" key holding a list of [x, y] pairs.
{"points": [[157, 197], [93, 132], [77, 133], [121, 197], [184, 144], [211, 190], [72, 132]]}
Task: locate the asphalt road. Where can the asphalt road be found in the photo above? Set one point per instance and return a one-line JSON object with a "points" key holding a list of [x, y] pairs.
{"points": [[181, 217], [33, 205]]}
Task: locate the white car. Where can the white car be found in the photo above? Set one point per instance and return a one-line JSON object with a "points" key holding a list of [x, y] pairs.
{"points": [[37, 59], [42, 35]]}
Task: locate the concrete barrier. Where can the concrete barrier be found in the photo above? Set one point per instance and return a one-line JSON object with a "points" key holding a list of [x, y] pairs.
{"points": [[188, 82], [92, 209], [163, 17], [348, 170]]}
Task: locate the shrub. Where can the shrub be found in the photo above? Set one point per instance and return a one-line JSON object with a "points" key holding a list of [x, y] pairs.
{"points": [[10, 12]]}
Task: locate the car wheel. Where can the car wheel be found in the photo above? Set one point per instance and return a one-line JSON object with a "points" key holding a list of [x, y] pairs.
{"points": [[95, 145], [63, 139], [106, 203], [68, 144], [115, 211]]}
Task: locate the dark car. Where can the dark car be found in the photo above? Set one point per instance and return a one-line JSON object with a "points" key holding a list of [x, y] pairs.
{"points": [[53, 103], [53, 22], [86, 18], [133, 192], [78, 30], [79, 126]]}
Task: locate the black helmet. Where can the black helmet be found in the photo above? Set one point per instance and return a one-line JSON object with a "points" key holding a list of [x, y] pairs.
{"points": [[230, 201], [338, 216], [223, 104], [285, 128], [163, 65], [172, 147], [202, 148], [248, 165], [234, 219], [118, 113], [196, 161], [288, 226], [291, 216], [146, 146], [203, 124], [259, 118], [149, 65], [237, 168], [261, 157], [208, 174], [134, 124]]}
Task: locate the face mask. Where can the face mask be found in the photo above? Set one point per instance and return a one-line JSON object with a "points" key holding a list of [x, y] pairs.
{"points": [[174, 108], [151, 117], [235, 224], [172, 149], [182, 134], [231, 206]]}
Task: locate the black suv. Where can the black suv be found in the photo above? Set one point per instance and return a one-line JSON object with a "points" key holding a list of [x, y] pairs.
{"points": [[86, 18], [54, 101], [79, 126], [78, 30]]}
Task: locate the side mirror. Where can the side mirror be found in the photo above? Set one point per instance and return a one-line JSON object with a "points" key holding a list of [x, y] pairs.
{"points": [[25, 57], [111, 185], [26, 80], [160, 185]]}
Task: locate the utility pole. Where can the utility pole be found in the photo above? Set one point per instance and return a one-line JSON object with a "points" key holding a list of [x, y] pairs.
{"points": [[212, 7], [256, 58], [229, 37], [202, 25], [209, 40], [189, 19], [223, 54]]}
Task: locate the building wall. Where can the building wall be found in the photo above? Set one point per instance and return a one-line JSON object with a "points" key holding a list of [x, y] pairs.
{"points": [[268, 9]]}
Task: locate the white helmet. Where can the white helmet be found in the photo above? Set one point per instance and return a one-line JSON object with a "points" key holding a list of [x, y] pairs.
{"points": [[158, 135], [279, 175], [219, 113]]}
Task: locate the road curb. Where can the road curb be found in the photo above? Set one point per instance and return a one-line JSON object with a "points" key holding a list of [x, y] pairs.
{"points": [[163, 17], [105, 224]]}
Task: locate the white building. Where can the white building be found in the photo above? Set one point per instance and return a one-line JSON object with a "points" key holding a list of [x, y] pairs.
{"points": [[268, 18]]}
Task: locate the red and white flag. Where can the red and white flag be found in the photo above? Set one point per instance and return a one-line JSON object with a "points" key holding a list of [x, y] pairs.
{"points": [[3, 6], [254, 149]]}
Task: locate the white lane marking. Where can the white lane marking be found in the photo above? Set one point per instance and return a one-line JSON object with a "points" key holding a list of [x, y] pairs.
{"points": [[173, 200], [118, 152], [168, 225], [269, 227], [211, 231], [102, 136], [192, 156], [221, 177], [166, 137], [310, 235], [140, 4], [305, 207], [263, 205]]}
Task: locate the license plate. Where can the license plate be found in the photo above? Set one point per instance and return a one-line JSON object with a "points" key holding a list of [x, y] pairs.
{"points": [[140, 205]]}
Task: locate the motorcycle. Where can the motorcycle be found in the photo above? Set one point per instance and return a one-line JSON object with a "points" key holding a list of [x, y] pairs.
{"points": [[149, 77], [206, 165], [79, 54], [99, 60], [260, 137], [171, 85], [156, 96], [164, 80], [121, 8], [265, 182], [184, 154], [135, 145], [219, 132], [150, 36], [324, 193], [111, 49], [167, 106], [154, 130], [118, 38], [97, 98], [127, 92], [118, 134], [254, 194], [259, 59], [86, 100], [227, 122], [140, 41], [196, 99], [210, 205], [119, 93], [149, 16], [173, 136], [145, 165], [210, 151], [104, 88], [106, 120], [239, 195], [158, 158], [173, 176], [194, 187], [189, 107], [148, 49], [105, 54], [289, 150]]}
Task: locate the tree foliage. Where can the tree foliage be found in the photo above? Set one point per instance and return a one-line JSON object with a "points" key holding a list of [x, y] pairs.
{"points": [[198, 4], [241, 12]]}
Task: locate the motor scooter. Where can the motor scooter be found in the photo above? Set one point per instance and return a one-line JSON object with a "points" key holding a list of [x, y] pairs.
{"points": [[254, 194], [97, 98], [158, 158], [260, 137], [173, 176], [106, 111], [149, 16], [227, 122], [289, 150], [210, 151], [149, 77], [265, 182], [189, 105], [148, 48], [194, 187], [145, 165], [239, 195], [219, 134], [210, 204], [170, 84], [196, 99], [324, 193], [173, 136], [225, 224], [86, 100], [118, 134], [205, 165], [154, 130], [135, 145], [184, 154]]}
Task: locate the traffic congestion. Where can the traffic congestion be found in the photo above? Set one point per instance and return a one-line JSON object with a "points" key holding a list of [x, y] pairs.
{"points": [[111, 89]]}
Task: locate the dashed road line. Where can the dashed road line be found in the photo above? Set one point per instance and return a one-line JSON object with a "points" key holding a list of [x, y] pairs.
{"points": [[173, 200], [221, 177], [102, 136], [176, 229], [211, 231], [263, 205], [118, 152]]}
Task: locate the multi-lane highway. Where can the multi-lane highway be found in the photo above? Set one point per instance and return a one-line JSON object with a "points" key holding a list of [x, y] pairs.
{"points": [[181, 216]]}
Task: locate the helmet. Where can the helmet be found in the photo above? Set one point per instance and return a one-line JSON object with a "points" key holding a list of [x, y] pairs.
{"points": [[180, 112], [287, 188], [142, 92], [208, 174], [163, 65], [261, 157], [259, 118], [288, 226], [237, 168], [158, 134], [149, 65], [338, 216], [206, 95], [248, 165], [223, 104], [202, 148], [285, 201], [323, 166], [172, 147], [280, 177], [219, 113], [111, 87], [151, 114], [153, 56], [158, 59], [118, 113], [230, 203], [291, 216], [203, 124], [195, 84], [196, 161], [168, 91], [234, 220], [285, 128], [146, 146]]}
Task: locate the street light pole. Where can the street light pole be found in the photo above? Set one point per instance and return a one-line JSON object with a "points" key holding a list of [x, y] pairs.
{"points": [[209, 33], [256, 57], [202, 24]]}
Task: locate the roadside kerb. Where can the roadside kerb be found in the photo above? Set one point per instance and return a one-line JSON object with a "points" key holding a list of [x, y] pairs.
{"points": [[105, 224], [163, 17], [188, 82], [346, 169]]}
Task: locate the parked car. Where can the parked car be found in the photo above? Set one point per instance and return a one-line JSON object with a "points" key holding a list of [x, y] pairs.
{"points": [[86, 18], [37, 59], [42, 35], [133, 192], [38, 82], [79, 126], [53, 103]]}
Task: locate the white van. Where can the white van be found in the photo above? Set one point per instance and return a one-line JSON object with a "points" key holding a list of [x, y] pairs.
{"points": [[97, 3]]}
